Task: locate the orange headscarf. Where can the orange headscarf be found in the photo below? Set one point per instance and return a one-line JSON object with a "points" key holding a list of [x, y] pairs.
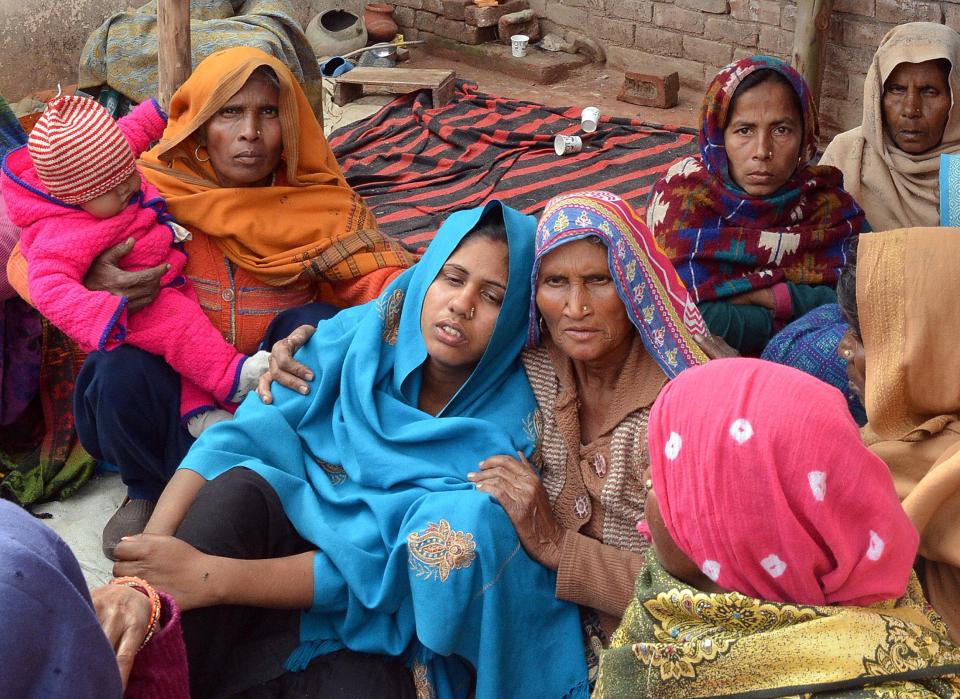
{"points": [[310, 221]]}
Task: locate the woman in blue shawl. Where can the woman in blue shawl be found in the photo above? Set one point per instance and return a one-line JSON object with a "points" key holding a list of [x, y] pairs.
{"points": [[401, 556]]}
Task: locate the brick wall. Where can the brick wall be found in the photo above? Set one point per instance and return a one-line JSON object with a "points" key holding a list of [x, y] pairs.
{"points": [[696, 37]]}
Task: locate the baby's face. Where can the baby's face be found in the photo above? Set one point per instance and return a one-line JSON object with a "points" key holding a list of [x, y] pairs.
{"points": [[112, 202]]}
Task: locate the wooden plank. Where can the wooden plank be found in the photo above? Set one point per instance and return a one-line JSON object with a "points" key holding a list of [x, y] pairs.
{"points": [[812, 22], [403, 79], [173, 47]]}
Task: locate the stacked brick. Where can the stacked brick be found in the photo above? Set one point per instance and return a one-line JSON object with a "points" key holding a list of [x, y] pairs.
{"points": [[697, 37], [458, 20]]}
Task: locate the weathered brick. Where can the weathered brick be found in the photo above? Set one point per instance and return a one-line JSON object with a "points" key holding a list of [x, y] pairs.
{"points": [[859, 33], [634, 10], [788, 17], [672, 17], [489, 16], [651, 90], [738, 53], [899, 11], [434, 6], [565, 16], [855, 83], [867, 8], [726, 29], [615, 31], [776, 41], [523, 22], [404, 17], [852, 60], [835, 86], [838, 115], [412, 4], [425, 21], [413, 33], [453, 9], [951, 15], [634, 60], [656, 40], [714, 53], [717, 7], [763, 11], [458, 31]]}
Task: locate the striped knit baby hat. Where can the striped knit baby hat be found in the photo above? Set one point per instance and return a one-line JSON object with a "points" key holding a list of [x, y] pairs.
{"points": [[78, 151]]}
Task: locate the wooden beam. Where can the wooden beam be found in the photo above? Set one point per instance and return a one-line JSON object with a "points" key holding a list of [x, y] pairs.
{"points": [[809, 40], [173, 47]]}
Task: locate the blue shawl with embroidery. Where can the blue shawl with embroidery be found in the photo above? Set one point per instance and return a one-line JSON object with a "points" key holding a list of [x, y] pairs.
{"points": [[411, 558]]}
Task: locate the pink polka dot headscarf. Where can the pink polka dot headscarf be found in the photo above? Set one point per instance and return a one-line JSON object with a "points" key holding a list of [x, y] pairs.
{"points": [[763, 481]]}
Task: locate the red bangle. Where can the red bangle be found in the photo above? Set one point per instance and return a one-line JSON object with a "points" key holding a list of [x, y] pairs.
{"points": [[155, 605], [782, 303]]}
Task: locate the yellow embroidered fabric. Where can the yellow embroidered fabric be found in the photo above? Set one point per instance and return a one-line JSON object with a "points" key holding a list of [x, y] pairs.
{"points": [[439, 549], [676, 642]]}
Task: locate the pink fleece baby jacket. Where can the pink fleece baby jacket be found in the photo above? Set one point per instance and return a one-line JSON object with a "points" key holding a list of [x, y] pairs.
{"points": [[60, 242]]}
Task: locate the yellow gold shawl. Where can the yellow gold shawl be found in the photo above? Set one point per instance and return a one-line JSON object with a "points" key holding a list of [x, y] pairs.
{"points": [[676, 642]]}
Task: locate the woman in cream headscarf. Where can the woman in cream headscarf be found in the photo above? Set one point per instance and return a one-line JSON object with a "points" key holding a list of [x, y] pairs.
{"points": [[891, 162], [898, 302]]}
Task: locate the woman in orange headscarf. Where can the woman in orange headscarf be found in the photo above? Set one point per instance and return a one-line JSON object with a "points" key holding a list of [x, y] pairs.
{"points": [[243, 165]]}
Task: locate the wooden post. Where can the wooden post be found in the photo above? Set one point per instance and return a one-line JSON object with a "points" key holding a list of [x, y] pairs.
{"points": [[809, 40], [173, 47]]}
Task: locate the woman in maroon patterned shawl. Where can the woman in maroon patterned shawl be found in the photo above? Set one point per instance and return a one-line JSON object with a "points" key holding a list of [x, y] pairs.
{"points": [[756, 233]]}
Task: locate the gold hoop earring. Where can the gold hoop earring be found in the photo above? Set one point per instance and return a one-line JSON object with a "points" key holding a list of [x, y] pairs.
{"points": [[196, 154], [847, 354]]}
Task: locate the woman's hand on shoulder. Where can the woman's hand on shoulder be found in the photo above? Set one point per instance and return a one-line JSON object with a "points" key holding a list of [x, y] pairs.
{"points": [[517, 487], [140, 288], [715, 347], [124, 616], [284, 369]]}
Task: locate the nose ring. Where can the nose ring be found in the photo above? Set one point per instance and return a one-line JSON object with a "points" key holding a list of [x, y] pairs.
{"points": [[847, 354], [473, 310], [258, 132], [769, 152], [585, 309]]}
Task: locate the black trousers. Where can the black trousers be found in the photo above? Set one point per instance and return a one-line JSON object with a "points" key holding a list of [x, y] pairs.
{"points": [[126, 403], [240, 651]]}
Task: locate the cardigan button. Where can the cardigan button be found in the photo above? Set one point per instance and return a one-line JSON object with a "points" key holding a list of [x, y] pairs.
{"points": [[227, 295]]}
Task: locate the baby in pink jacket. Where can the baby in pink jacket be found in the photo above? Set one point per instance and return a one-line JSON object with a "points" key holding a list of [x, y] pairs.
{"points": [[75, 191]]}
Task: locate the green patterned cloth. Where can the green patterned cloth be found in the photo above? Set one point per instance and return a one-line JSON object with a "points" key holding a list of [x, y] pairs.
{"points": [[676, 642], [122, 52]]}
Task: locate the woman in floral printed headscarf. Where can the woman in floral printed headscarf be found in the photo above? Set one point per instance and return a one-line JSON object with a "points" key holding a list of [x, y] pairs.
{"points": [[756, 233]]}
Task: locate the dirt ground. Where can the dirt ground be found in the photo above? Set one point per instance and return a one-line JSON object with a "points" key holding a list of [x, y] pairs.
{"points": [[594, 85]]}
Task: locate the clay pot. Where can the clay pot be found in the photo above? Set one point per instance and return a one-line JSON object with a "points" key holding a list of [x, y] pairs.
{"points": [[336, 32], [378, 16]]}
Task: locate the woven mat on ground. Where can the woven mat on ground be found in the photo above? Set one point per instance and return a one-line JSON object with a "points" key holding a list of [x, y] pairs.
{"points": [[414, 164]]}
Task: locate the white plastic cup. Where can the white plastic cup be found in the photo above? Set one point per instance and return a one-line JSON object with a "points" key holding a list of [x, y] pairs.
{"points": [[518, 44], [589, 118], [565, 145]]}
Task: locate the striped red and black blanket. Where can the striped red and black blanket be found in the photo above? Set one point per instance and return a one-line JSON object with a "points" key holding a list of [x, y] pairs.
{"points": [[414, 164]]}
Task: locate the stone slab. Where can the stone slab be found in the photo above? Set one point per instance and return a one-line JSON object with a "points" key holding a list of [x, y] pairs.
{"points": [[541, 67]]}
